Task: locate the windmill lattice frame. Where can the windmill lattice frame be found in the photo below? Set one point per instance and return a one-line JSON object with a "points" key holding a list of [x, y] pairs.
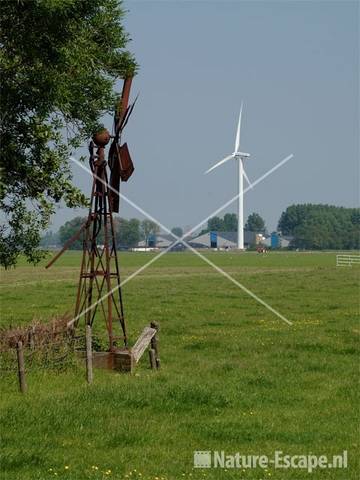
{"points": [[99, 286]]}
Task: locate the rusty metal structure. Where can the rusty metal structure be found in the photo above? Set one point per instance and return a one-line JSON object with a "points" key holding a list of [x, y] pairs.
{"points": [[99, 286]]}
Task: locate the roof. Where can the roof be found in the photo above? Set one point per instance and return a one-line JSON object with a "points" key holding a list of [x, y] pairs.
{"points": [[162, 240], [224, 239]]}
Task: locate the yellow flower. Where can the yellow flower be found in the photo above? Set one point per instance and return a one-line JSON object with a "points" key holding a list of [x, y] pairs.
{"points": [[66, 467]]}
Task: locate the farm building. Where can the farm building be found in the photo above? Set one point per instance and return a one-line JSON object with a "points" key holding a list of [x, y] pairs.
{"points": [[162, 240], [276, 240], [225, 240], [206, 240]]}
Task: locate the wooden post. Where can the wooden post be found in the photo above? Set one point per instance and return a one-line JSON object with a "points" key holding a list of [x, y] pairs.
{"points": [[89, 370], [21, 367], [155, 344], [152, 358], [32, 338]]}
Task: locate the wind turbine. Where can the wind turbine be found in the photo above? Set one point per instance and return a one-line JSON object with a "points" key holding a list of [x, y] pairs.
{"points": [[239, 157]]}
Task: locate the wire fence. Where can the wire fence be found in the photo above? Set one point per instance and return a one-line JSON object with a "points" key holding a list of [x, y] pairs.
{"points": [[56, 346], [54, 355], [43, 346]]}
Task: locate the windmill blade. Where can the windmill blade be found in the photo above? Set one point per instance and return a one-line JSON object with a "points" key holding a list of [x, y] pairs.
{"points": [[125, 94], [247, 179], [219, 163], [114, 164], [118, 121], [127, 115], [124, 100], [237, 139], [126, 164]]}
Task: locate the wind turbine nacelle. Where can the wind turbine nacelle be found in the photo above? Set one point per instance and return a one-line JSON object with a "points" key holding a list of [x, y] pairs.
{"points": [[241, 154]]}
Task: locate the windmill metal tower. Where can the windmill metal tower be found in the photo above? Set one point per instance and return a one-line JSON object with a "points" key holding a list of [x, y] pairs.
{"points": [[100, 274], [99, 286]]}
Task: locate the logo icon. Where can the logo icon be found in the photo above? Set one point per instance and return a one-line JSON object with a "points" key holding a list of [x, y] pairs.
{"points": [[202, 459]]}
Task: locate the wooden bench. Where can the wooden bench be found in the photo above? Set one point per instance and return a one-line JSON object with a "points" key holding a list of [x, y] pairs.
{"points": [[125, 360]]}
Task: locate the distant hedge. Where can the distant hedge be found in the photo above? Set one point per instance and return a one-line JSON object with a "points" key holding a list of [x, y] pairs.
{"points": [[321, 226]]}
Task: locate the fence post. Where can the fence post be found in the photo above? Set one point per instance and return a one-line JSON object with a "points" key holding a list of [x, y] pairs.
{"points": [[21, 367], [152, 358], [32, 338], [89, 370], [155, 344]]}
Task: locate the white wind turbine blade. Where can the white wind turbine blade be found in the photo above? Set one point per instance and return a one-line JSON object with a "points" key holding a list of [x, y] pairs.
{"points": [[219, 163], [247, 179], [237, 140]]}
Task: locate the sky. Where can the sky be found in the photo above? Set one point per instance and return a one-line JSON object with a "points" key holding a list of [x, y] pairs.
{"points": [[295, 65]]}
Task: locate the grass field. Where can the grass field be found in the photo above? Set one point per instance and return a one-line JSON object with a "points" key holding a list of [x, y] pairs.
{"points": [[234, 377]]}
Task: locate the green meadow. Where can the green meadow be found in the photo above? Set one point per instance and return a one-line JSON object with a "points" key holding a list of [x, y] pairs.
{"points": [[234, 376]]}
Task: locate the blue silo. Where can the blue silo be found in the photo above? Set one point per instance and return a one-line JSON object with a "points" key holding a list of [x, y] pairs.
{"points": [[275, 240]]}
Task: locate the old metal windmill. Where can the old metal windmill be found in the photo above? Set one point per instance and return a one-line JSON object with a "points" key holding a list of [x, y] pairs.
{"points": [[99, 287]]}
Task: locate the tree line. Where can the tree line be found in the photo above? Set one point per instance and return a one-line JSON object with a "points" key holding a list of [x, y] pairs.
{"points": [[128, 233], [318, 226], [309, 226], [229, 223]]}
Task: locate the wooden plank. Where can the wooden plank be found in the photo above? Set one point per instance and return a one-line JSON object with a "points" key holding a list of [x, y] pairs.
{"points": [[142, 343], [123, 361]]}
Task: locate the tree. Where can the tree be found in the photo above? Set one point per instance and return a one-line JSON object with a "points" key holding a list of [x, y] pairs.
{"points": [[58, 64], [321, 226], [255, 223], [69, 229], [178, 231], [215, 224], [127, 232], [148, 228], [50, 239], [230, 223]]}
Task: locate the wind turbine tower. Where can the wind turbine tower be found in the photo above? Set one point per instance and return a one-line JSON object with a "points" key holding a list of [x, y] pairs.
{"points": [[239, 157]]}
